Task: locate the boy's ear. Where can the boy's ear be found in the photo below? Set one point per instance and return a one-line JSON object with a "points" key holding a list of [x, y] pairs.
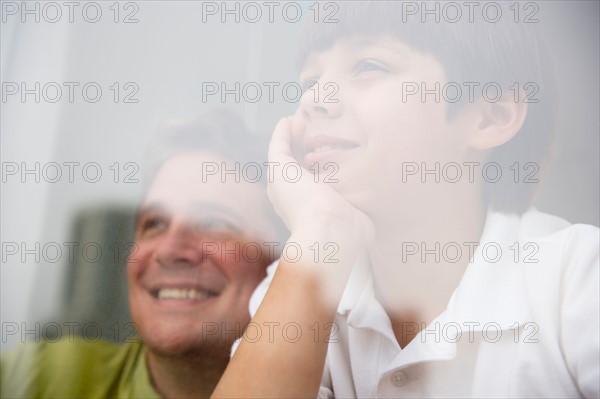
{"points": [[497, 123]]}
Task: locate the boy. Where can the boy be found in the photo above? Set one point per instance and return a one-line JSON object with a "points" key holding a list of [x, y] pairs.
{"points": [[442, 282]]}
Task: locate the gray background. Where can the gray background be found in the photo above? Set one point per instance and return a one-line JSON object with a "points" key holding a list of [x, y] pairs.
{"points": [[169, 53]]}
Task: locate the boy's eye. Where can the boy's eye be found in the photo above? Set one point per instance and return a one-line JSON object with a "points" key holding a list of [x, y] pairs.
{"points": [[369, 66], [306, 84]]}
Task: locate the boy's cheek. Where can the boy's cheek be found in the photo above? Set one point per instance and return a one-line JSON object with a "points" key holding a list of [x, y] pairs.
{"points": [[385, 114]]}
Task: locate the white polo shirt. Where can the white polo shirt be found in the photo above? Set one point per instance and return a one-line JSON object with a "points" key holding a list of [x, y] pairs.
{"points": [[522, 324]]}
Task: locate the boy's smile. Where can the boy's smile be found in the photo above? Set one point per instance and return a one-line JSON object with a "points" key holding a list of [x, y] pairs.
{"points": [[324, 148]]}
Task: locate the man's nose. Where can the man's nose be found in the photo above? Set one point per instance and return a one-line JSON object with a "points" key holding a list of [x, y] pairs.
{"points": [[322, 100], [181, 246]]}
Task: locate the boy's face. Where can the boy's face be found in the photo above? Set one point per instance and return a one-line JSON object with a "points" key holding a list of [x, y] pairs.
{"points": [[193, 270], [372, 130]]}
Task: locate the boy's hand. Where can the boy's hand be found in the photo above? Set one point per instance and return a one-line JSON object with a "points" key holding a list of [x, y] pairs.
{"points": [[309, 206], [302, 291]]}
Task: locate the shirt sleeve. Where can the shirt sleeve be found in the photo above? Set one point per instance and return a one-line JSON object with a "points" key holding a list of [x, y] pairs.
{"points": [[257, 297], [325, 391], [580, 321]]}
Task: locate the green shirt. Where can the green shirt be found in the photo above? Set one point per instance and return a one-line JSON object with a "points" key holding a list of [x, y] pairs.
{"points": [[76, 368]]}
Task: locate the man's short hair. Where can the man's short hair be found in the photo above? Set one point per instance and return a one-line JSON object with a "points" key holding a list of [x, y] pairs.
{"points": [[219, 131]]}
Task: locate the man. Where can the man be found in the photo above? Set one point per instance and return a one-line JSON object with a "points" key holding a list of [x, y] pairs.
{"points": [[200, 252]]}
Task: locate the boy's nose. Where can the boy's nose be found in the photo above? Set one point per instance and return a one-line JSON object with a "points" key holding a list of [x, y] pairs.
{"points": [[323, 100]]}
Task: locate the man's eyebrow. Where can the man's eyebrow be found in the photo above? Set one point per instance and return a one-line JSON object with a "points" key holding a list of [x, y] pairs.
{"points": [[148, 208], [198, 208], [216, 208]]}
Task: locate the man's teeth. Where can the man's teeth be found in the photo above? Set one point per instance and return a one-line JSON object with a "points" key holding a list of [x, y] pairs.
{"points": [[177, 293]]}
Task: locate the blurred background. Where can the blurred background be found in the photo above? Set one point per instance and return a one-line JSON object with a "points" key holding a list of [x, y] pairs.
{"points": [[153, 61]]}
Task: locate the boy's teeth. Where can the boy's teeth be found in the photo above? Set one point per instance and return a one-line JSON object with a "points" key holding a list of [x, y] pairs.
{"points": [[324, 148], [177, 293]]}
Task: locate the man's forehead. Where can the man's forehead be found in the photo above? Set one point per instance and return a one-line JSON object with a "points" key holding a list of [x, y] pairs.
{"points": [[241, 204], [197, 207]]}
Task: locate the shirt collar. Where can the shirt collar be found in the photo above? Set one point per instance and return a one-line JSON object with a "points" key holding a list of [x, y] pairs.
{"points": [[142, 383], [360, 283], [493, 291], [488, 292]]}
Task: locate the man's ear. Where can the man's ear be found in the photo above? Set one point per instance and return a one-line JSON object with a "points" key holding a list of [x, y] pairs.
{"points": [[497, 122]]}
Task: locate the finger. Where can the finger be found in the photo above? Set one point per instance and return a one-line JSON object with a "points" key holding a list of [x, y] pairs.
{"points": [[280, 140], [280, 152], [298, 133]]}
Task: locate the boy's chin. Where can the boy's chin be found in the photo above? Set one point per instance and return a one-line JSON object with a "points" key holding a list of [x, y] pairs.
{"points": [[365, 201]]}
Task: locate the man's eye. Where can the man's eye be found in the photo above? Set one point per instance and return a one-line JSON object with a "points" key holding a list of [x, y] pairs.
{"points": [[369, 66], [152, 224]]}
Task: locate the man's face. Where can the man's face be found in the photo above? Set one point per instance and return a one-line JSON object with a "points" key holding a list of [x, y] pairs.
{"points": [[197, 259], [371, 132]]}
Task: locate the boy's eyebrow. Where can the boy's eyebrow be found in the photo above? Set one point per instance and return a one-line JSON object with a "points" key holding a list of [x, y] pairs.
{"points": [[362, 43], [365, 41], [384, 43]]}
